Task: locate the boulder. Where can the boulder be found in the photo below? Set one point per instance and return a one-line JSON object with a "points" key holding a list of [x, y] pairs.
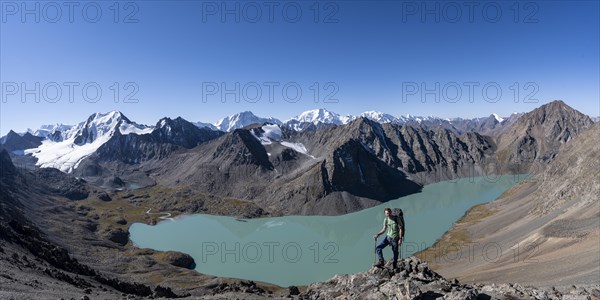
{"points": [[179, 259], [104, 196], [119, 236]]}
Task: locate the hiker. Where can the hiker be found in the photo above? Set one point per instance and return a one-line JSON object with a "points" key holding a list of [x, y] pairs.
{"points": [[394, 230]]}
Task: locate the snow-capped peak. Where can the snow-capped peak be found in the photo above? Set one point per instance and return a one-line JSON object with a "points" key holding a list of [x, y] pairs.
{"points": [[379, 117], [242, 119], [208, 125], [82, 140], [498, 118], [322, 115], [413, 118], [99, 124], [46, 130]]}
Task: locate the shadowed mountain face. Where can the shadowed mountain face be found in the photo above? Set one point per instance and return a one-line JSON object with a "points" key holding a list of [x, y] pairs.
{"points": [[533, 140], [13, 141], [425, 155]]}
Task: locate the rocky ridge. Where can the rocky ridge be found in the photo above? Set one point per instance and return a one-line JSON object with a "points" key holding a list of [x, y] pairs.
{"points": [[415, 280]]}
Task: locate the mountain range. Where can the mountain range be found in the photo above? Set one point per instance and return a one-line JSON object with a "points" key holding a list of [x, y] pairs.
{"points": [[328, 163], [99, 128], [316, 117], [66, 233]]}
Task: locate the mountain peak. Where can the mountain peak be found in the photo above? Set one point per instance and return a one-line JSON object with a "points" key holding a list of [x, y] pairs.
{"points": [[242, 119], [321, 115], [556, 109], [105, 125], [246, 113], [11, 133], [49, 130], [556, 102], [109, 117], [497, 117], [380, 117], [535, 136]]}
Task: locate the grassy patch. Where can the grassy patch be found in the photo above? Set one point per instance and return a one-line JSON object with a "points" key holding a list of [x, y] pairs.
{"points": [[457, 237]]}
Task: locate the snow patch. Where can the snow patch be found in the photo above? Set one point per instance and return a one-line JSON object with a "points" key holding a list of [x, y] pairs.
{"points": [[498, 118], [65, 155], [298, 147], [127, 128], [379, 117], [262, 139], [272, 132], [321, 115]]}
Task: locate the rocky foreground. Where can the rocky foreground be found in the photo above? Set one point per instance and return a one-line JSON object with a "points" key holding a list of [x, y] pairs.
{"points": [[415, 280], [412, 280]]}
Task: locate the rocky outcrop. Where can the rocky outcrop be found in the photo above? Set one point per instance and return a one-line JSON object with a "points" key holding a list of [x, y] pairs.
{"points": [[62, 184], [104, 196], [415, 280], [118, 236]]}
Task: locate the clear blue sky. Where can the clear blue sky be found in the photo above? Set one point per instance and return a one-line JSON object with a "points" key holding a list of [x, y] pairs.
{"points": [[371, 55]]}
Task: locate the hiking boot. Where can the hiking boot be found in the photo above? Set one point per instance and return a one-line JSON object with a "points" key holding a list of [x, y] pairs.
{"points": [[379, 264], [394, 266]]}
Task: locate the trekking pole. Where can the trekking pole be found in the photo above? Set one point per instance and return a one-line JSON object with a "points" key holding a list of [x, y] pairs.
{"points": [[375, 252]]}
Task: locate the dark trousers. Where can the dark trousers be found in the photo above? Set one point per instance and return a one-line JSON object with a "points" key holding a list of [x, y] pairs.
{"points": [[384, 243]]}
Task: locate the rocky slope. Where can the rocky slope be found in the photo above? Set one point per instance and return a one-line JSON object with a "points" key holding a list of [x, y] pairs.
{"points": [[33, 264], [544, 226]]}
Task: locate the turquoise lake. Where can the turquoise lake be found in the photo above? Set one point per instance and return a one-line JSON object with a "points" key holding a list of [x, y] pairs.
{"points": [[299, 250]]}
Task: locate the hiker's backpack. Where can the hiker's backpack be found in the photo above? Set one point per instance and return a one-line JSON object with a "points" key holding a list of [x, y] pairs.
{"points": [[398, 216]]}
